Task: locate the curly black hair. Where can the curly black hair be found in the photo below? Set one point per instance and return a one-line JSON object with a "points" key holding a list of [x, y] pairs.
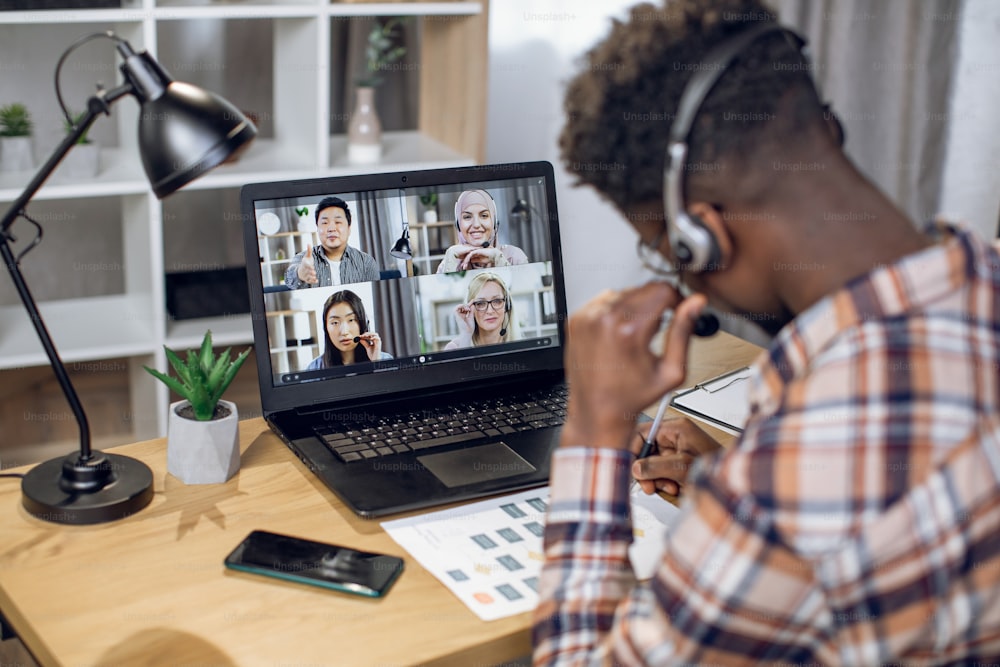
{"points": [[621, 105]]}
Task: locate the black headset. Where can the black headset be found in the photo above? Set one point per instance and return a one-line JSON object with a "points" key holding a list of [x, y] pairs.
{"points": [[496, 220], [692, 244]]}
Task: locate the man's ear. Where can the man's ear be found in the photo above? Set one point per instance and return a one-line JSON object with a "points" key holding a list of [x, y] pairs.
{"points": [[711, 218]]}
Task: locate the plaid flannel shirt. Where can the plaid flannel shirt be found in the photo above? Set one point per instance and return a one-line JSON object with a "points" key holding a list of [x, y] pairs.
{"points": [[855, 522]]}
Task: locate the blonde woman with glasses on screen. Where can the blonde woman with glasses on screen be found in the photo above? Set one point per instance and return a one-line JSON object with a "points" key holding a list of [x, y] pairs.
{"points": [[487, 315]]}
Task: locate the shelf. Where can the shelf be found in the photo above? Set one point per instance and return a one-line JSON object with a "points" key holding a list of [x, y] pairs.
{"points": [[73, 16], [121, 173], [126, 329], [226, 330], [265, 160], [166, 11], [269, 56], [405, 9], [402, 151]]}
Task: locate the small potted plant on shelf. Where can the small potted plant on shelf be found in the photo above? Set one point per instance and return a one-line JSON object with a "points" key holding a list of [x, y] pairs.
{"points": [[202, 430], [430, 201], [15, 138], [364, 131], [84, 160]]}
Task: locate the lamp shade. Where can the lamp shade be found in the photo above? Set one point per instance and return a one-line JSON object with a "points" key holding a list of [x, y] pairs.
{"points": [[401, 250], [187, 131], [521, 209]]}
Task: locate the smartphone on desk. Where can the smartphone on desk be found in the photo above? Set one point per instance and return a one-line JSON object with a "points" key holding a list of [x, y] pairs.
{"points": [[315, 563]]}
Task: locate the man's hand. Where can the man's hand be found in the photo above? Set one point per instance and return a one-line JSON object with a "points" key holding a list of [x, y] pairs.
{"points": [[679, 442], [612, 373], [307, 267]]}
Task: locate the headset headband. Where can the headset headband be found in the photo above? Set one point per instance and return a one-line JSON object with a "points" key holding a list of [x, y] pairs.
{"points": [[690, 241]]}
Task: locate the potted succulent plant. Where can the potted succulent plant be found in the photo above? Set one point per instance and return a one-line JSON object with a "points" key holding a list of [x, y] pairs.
{"points": [[84, 160], [202, 430], [15, 138], [364, 131]]}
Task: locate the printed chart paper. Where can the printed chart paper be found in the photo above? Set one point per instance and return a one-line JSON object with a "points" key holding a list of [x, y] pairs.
{"points": [[489, 553]]}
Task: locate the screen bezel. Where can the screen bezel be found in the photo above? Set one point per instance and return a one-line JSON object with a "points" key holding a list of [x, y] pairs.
{"points": [[411, 376]]}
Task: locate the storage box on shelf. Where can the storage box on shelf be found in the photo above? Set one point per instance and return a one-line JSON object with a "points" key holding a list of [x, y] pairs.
{"points": [[282, 74]]}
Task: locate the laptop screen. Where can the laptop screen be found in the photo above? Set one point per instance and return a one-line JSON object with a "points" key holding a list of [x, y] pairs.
{"points": [[382, 283]]}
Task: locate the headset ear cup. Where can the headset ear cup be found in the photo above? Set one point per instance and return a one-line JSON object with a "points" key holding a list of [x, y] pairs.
{"points": [[713, 251], [694, 245]]}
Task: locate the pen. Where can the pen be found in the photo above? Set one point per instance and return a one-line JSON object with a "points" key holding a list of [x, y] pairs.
{"points": [[647, 445]]}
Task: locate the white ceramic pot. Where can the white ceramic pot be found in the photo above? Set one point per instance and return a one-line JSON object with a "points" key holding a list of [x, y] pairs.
{"points": [[16, 154], [83, 161], [203, 452]]}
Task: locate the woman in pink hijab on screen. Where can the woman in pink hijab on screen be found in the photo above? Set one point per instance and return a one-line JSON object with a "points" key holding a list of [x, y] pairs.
{"points": [[478, 228]]}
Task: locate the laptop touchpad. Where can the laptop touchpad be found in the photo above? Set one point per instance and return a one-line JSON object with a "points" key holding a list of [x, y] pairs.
{"points": [[476, 464]]}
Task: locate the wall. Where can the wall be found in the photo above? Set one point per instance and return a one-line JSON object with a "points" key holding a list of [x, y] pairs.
{"points": [[971, 188], [533, 52]]}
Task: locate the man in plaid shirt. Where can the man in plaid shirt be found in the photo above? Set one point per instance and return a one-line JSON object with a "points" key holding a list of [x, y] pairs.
{"points": [[856, 521]]}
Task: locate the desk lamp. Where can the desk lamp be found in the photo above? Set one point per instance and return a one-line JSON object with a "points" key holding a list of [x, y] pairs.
{"points": [[401, 248], [184, 131]]}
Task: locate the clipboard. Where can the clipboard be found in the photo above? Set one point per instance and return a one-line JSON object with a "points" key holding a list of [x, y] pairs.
{"points": [[722, 401]]}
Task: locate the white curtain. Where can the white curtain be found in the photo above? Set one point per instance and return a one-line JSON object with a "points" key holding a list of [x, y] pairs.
{"points": [[887, 68]]}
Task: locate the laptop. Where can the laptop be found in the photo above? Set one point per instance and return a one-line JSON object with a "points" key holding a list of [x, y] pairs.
{"points": [[454, 387]]}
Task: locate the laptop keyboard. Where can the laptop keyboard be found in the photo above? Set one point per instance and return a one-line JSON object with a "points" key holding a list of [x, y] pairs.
{"points": [[402, 433]]}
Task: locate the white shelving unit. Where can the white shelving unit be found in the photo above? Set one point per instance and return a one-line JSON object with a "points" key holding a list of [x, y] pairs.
{"points": [[133, 324]]}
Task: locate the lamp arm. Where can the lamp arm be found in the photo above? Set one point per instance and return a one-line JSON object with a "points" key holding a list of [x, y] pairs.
{"points": [[97, 104]]}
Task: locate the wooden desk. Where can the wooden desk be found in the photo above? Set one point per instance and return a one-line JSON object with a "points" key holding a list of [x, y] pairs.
{"points": [[151, 589]]}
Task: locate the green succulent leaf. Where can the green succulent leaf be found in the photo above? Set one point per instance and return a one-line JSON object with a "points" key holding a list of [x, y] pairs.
{"points": [[206, 352], [180, 368], [172, 383], [218, 370], [202, 377]]}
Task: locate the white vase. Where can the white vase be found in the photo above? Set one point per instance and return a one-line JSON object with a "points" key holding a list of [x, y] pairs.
{"points": [[306, 224], [364, 132], [430, 215], [16, 154], [82, 162], [203, 452]]}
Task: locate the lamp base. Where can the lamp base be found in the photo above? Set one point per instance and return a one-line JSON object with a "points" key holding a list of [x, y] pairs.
{"points": [[106, 487]]}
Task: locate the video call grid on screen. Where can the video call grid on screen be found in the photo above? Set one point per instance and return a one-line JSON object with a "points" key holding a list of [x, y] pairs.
{"points": [[411, 306]]}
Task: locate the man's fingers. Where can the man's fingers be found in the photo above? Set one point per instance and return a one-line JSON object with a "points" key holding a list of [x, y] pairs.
{"points": [[666, 466], [675, 347], [641, 309], [668, 486]]}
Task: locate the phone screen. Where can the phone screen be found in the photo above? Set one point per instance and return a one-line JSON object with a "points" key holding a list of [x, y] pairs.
{"points": [[316, 563]]}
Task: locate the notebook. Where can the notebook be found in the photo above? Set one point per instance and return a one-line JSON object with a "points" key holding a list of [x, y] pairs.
{"points": [[406, 387]]}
